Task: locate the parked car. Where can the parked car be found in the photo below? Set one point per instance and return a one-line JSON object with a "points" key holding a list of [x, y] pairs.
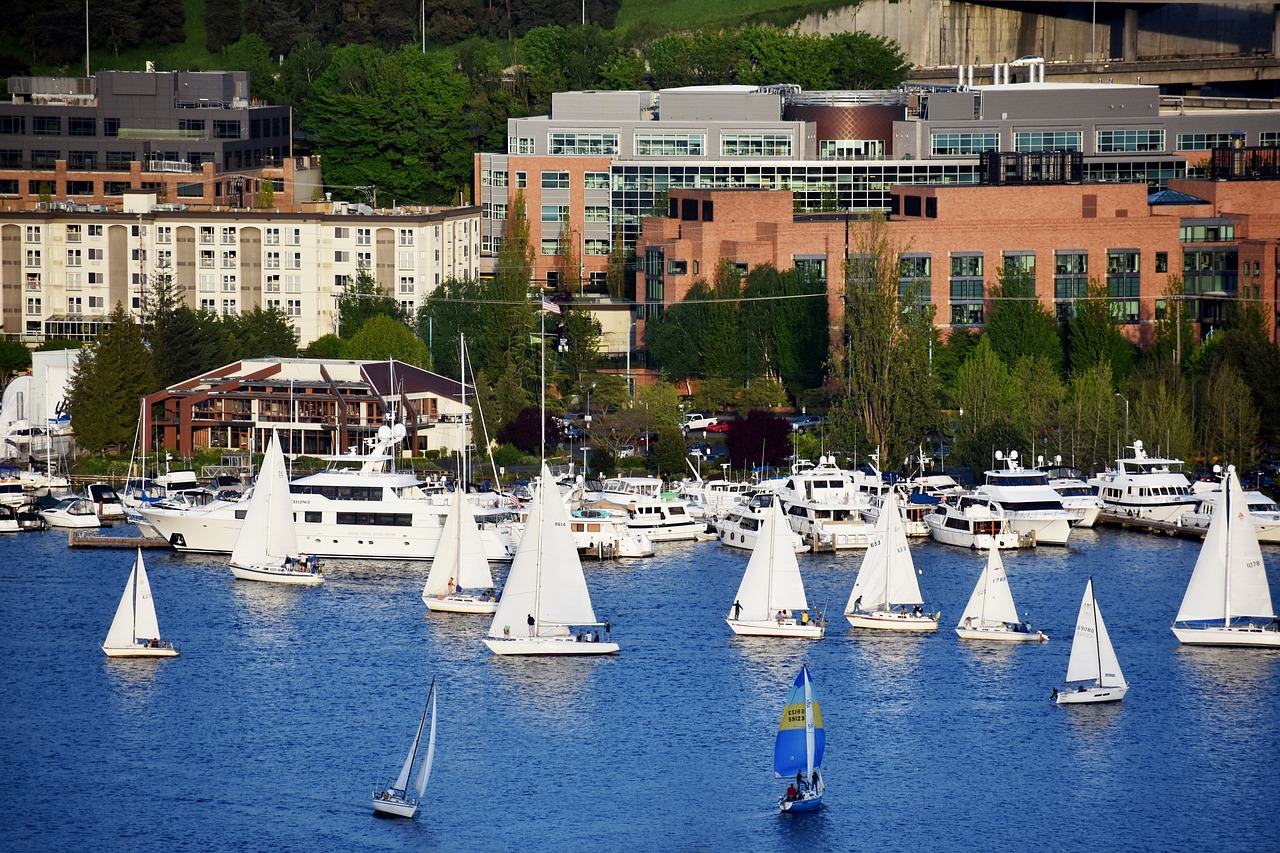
{"points": [[574, 433], [694, 421], [805, 422], [626, 451], [1027, 60], [719, 426]]}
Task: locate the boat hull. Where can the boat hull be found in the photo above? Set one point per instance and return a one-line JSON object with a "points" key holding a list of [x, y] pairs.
{"points": [[886, 620], [271, 575], [772, 628], [976, 541], [567, 645], [1001, 634], [1046, 531], [1092, 695], [806, 803], [73, 522], [459, 604], [140, 652], [1237, 637], [394, 807]]}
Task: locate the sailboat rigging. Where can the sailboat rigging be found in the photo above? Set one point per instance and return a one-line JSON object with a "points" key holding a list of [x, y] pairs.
{"points": [[135, 632], [397, 799], [1093, 671], [799, 747]]}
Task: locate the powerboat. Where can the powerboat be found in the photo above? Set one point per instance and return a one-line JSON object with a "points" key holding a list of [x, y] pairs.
{"points": [[1032, 508], [1079, 499], [1142, 486], [740, 526], [824, 505], [971, 521], [1264, 511], [74, 512]]}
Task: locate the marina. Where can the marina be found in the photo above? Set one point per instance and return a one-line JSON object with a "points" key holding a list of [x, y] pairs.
{"points": [[214, 735]]}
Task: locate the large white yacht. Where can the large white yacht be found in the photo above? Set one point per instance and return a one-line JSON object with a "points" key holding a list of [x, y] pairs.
{"points": [[1030, 505], [1079, 499], [971, 521], [370, 511], [1264, 511], [740, 526], [649, 511], [1142, 486], [824, 505]]}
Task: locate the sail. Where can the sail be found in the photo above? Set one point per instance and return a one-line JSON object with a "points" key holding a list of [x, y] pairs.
{"points": [[545, 580], [991, 602], [267, 535], [888, 574], [402, 781], [425, 772], [460, 556], [801, 738], [145, 625], [1229, 578], [772, 579], [1093, 658], [124, 630]]}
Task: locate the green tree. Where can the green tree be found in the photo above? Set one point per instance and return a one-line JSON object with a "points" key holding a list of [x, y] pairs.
{"points": [[14, 358], [1094, 335], [111, 375], [1041, 396], [1090, 421], [510, 315], [262, 332], [581, 354], [1163, 412], [883, 361], [326, 346], [763, 392], [671, 452], [1019, 323], [362, 299], [382, 337], [1229, 420], [988, 397], [451, 311]]}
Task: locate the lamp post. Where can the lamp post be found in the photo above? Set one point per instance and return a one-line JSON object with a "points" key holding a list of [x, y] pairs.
{"points": [[587, 419], [1126, 419]]}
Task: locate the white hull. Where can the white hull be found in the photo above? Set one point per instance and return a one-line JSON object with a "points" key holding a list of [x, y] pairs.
{"points": [[1083, 516], [1238, 637], [394, 808], [141, 651], [1092, 695], [678, 532], [983, 541], [567, 645], [459, 604], [1154, 512], [1046, 531], [276, 575], [773, 628], [745, 540], [999, 633], [73, 522], [888, 620]]}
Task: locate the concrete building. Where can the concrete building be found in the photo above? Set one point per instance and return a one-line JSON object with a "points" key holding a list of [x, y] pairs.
{"points": [[195, 137], [1220, 237], [63, 268], [318, 407]]}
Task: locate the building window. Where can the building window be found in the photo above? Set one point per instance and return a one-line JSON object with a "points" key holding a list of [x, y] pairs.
{"points": [[755, 145], [1123, 284], [958, 144], [1112, 141], [272, 237], [74, 258], [550, 246], [1211, 271], [670, 144], [33, 235], [293, 284], [406, 237], [293, 260], [364, 260], [594, 144], [33, 257], [1021, 262], [555, 212], [850, 149], [915, 273], [596, 213], [13, 125], [46, 125], [229, 235], [1048, 140], [293, 236], [341, 232], [210, 305], [82, 161], [97, 255], [33, 305], [229, 260], [164, 234], [10, 158], [406, 284], [111, 127], [96, 302], [206, 233], [206, 259], [966, 289], [405, 260], [364, 236], [341, 256], [271, 284], [74, 281], [1162, 262], [229, 283], [226, 129], [595, 180], [1207, 231], [293, 307], [597, 246], [555, 180], [75, 305], [271, 260], [1070, 281], [73, 233], [33, 281], [522, 180], [79, 187], [1202, 141], [114, 187], [519, 144], [42, 159], [228, 306], [79, 126]]}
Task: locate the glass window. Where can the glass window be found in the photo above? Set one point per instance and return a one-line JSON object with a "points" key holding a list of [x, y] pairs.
{"points": [[956, 144], [1202, 141], [1048, 140], [755, 145], [13, 125], [46, 125], [555, 212], [519, 144], [1109, 141], [596, 180], [670, 144], [555, 180], [598, 144], [850, 149], [1208, 231], [82, 126]]}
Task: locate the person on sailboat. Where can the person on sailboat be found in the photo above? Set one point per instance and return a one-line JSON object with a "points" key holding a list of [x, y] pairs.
{"points": [[737, 610], [791, 792], [531, 622], [857, 604]]}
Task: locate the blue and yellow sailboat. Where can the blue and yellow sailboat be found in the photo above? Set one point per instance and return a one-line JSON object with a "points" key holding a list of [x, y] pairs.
{"points": [[798, 750]]}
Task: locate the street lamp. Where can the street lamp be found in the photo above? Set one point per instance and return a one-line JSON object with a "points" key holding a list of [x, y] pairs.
{"points": [[1126, 418], [587, 419]]}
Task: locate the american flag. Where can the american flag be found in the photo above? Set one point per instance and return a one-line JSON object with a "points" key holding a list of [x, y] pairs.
{"points": [[549, 306]]}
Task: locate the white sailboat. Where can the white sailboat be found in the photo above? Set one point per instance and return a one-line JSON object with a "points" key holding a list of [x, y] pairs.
{"points": [[460, 564], [134, 632], [799, 747], [1093, 672], [886, 595], [1228, 601], [397, 800], [267, 546], [990, 613], [546, 593], [771, 600]]}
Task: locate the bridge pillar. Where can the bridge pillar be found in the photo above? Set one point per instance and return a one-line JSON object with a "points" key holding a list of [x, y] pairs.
{"points": [[1129, 35]]}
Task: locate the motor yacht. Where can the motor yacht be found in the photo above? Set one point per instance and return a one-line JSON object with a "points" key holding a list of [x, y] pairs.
{"points": [[1142, 486], [1031, 507], [824, 505], [971, 521]]}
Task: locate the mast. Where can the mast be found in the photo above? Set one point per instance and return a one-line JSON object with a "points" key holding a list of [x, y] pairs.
{"points": [[545, 473], [133, 581], [1226, 547], [1097, 639], [808, 725]]}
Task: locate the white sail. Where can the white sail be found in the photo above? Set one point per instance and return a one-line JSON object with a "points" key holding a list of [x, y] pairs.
{"points": [[809, 736], [424, 773], [460, 556], [267, 535], [402, 781], [1229, 578], [888, 574], [772, 579], [546, 579], [1092, 655], [136, 616], [991, 602]]}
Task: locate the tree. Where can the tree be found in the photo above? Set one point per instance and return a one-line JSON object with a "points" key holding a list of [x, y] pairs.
{"points": [[582, 341], [266, 193], [1041, 396], [362, 299], [784, 326], [525, 431], [382, 337], [988, 398], [883, 361], [510, 316], [761, 438], [1019, 323], [1229, 420], [618, 282], [1093, 334], [451, 311], [14, 358], [222, 24], [1090, 418], [111, 375], [671, 452], [326, 346], [262, 332]]}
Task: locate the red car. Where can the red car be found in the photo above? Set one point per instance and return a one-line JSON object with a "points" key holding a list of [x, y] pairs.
{"points": [[718, 427]]}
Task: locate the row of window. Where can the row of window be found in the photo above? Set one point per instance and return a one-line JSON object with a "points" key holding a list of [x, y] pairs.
{"points": [[658, 144], [192, 128], [952, 144]]}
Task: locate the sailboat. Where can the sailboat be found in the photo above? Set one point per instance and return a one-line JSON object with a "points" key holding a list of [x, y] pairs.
{"points": [[886, 595], [397, 800], [267, 547], [799, 747], [1228, 601], [135, 633], [460, 564], [990, 613], [1093, 672], [546, 593], [771, 599]]}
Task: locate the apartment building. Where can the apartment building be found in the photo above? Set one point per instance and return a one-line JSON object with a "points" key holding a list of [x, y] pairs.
{"points": [[601, 161], [64, 267], [196, 137], [1219, 239]]}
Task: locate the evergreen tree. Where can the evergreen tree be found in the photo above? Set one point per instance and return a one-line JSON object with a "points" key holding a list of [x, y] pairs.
{"points": [[1019, 323], [671, 452], [451, 310], [112, 374], [988, 396], [511, 315], [1094, 334], [364, 298]]}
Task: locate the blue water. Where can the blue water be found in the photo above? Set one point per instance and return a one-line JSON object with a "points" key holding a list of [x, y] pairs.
{"points": [[289, 705]]}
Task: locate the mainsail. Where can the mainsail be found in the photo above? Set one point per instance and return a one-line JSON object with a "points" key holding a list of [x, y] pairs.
{"points": [[1093, 658], [772, 579], [267, 535], [991, 602], [136, 616], [801, 739]]}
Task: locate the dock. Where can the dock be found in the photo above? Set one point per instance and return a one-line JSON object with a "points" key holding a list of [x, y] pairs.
{"points": [[85, 539], [1150, 525]]}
